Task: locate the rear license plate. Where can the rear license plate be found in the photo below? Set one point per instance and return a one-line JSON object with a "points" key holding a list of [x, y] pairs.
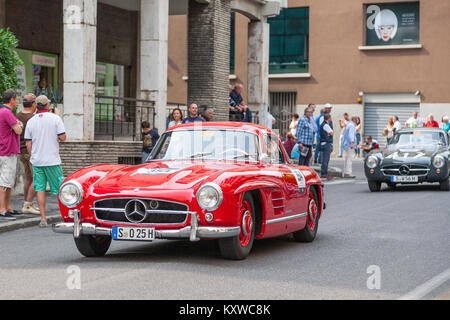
{"points": [[404, 179], [133, 233]]}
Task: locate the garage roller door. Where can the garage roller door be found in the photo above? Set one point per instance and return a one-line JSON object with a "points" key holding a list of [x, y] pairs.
{"points": [[376, 118]]}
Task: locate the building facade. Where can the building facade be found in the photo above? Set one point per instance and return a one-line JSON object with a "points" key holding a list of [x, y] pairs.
{"points": [[111, 64], [333, 52]]}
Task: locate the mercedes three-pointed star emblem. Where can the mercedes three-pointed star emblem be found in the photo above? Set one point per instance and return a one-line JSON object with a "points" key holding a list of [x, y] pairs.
{"points": [[135, 211]]}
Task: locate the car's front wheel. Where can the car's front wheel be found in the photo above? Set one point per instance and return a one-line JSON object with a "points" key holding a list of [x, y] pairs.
{"points": [[93, 246], [445, 185], [238, 247], [374, 186], [309, 232]]}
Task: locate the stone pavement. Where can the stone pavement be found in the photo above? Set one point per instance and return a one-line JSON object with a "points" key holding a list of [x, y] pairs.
{"points": [[29, 220]]}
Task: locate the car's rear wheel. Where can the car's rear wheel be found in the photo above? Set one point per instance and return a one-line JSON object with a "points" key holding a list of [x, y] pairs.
{"points": [[238, 247], [93, 246], [445, 185], [309, 232], [374, 186]]}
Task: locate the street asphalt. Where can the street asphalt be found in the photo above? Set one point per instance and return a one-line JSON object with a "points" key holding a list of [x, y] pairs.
{"points": [[402, 234]]}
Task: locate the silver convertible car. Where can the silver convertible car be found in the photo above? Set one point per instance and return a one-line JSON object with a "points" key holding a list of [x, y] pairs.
{"points": [[412, 156]]}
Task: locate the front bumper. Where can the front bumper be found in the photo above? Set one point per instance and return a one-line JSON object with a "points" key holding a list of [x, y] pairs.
{"points": [[432, 175], [193, 232]]}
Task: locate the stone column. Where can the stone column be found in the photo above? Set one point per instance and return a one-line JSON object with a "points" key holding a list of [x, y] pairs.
{"points": [[209, 55], [153, 57], [80, 43], [258, 68]]}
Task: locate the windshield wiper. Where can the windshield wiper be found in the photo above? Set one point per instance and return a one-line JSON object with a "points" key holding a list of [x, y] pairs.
{"points": [[244, 155], [200, 154]]}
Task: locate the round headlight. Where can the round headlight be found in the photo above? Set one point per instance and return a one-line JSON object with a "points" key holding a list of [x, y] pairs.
{"points": [[438, 162], [209, 196], [70, 194], [372, 162]]}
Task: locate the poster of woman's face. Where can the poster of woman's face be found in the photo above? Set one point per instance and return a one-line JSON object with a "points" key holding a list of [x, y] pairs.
{"points": [[386, 25], [392, 23]]}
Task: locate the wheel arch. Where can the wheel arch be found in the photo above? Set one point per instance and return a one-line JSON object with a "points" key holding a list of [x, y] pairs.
{"points": [[319, 191], [259, 209]]}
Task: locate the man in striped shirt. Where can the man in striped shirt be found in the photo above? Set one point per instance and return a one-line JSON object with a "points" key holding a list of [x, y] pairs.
{"points": [[305, 137]]}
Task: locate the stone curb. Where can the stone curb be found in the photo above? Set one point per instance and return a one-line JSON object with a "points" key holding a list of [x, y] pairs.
{"points": [[332, 171], [28, 222]]}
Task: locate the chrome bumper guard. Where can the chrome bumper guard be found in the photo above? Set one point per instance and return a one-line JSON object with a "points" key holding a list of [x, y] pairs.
{"points": [[193, 232]]}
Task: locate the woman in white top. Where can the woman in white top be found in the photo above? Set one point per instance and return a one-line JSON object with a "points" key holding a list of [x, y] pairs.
{"points": [[176, 116], [388, 132], [293, 124]]}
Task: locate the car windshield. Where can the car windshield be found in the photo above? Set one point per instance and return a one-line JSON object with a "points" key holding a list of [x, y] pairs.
{"points": [[423, 139], [206, 144]]}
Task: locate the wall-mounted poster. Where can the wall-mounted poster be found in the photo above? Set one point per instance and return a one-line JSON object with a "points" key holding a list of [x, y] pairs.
{"points": [[392, 23]]}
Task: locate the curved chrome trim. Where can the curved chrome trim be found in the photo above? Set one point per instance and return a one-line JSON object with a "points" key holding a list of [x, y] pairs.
{"points": [[215, 187], [79, 186], [183, 233], [283, 219]]}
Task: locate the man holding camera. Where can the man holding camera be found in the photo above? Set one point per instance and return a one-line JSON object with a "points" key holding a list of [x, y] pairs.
{"points": [[42, 135]]}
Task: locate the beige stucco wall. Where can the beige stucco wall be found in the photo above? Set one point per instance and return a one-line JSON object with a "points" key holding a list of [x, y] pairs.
{"points": [[339, 70]]}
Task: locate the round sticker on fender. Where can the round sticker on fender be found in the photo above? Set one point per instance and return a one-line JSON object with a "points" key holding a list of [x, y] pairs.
{"points": [[300, 179]]}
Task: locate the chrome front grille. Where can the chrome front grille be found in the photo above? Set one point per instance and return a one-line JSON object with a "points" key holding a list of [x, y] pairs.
{"points": [[157, 211], [405, 170]]}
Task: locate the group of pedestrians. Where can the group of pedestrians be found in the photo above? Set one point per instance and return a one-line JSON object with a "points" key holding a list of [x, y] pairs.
{"points": [[311, 134], [32, 137], [414, 121]]}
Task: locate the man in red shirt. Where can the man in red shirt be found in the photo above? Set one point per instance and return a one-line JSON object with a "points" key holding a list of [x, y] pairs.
{"points": [[431, 122], [10, 130]]}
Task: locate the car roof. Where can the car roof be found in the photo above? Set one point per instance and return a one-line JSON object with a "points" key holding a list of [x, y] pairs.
{"points": [[246, 126]]}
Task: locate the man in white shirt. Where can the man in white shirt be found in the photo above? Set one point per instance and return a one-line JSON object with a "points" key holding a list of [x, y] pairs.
{"points": [[414, 121], [42, 135], [397, 124], [270, 120]]}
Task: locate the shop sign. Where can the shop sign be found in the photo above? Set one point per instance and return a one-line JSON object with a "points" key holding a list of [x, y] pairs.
{"points": [[43, 61]]}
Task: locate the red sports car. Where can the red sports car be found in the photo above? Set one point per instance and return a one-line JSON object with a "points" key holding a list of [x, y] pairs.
{"points": [[217, 180]]}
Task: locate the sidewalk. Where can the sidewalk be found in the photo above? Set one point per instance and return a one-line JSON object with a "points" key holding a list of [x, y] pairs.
{"points": [[30, 220]]}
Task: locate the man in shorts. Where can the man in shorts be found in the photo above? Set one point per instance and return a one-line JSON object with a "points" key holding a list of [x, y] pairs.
{"points": [[42, 135], [29, 108], [10, 130]]}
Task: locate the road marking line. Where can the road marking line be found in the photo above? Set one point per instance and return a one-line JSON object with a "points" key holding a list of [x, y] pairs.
{"points": [[424, 289], [339, 182]]}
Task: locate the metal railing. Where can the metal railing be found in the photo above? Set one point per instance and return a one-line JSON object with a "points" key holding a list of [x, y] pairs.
{"points": [[119, 118]]}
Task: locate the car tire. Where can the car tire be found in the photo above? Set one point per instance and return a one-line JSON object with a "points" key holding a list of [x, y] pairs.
{"points": [[309, 232], [444, 185], [93, 246], [374, 186], [239, 247]]}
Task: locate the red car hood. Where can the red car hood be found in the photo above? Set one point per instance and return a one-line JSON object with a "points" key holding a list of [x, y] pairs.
{"points": [[171, 175]]}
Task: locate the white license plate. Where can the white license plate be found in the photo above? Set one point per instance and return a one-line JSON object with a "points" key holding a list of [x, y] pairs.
{"points": [[133, 233], [404, 179]]}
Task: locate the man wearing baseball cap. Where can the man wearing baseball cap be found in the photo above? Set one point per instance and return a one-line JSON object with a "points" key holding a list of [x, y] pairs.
{"points": [[42, 135]]}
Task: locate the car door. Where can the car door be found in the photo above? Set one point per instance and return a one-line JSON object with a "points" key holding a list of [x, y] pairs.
{"points": [[283, 216]]}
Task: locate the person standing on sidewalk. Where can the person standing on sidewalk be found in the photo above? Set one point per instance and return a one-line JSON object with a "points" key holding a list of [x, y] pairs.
{"points": [[29, 108], [43, 133], [348, 145], [326, 144], [342, 123], [305, 137], [10, 130]]}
